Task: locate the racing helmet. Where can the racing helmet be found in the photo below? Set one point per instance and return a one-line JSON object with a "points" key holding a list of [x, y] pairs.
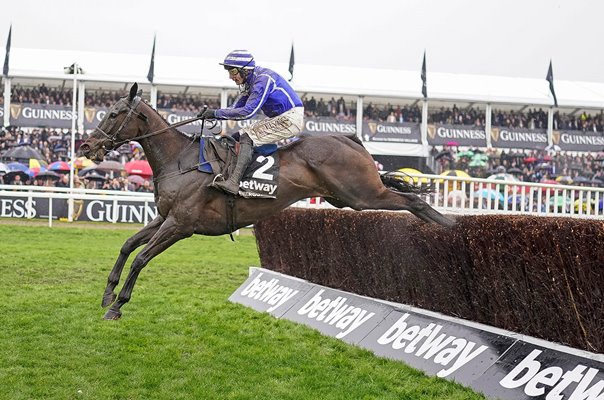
{"points": [[240, 59]]}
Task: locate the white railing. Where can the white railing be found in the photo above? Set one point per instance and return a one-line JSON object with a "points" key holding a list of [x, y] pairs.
{"points": [[449, 194], [465, 195]]}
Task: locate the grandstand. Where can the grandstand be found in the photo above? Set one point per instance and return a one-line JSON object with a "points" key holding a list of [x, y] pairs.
{"points": [[393, 141]]}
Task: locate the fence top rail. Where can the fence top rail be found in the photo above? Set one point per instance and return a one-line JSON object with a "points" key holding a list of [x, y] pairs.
{"points": [[504, 182]]}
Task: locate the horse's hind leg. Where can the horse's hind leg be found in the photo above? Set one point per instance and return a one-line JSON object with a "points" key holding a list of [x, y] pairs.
{"points": [[390, 200], [169, 233], [141, 237]]}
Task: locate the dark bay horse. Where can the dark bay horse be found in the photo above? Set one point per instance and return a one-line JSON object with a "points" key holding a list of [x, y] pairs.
{"points": [[337, 168]]}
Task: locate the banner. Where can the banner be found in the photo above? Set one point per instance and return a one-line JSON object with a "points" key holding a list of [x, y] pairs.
{"points": [[326, 126], [462, 135], [579, 140], [41, 115], [405, 132], [493, 361], [84, 210], [519, 138]]}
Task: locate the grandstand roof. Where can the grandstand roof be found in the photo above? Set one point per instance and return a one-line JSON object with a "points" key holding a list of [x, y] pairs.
{"points": [[340, 80]]}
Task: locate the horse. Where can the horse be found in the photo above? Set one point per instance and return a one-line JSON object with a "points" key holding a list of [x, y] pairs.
{"points": [[337, 168]]}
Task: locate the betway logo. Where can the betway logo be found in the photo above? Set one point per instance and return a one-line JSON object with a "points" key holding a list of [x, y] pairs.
{"points": [[269, 292], [259, 186], [427, 343], [335, 312], [535, 381]]}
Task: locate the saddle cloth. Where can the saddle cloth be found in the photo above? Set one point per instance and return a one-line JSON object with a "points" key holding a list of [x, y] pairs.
{"points": [[219, 157]]}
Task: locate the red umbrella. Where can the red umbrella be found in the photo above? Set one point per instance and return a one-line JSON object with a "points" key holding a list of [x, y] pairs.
{"points": [[529, 160], [60, 166], [139, 167]]}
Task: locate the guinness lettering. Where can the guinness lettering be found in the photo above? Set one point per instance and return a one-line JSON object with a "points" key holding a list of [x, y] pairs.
{"points": [[459, 133], [330, 127], [38, 113], [105, 211], [401, 130], [567, 138], [509, 136]]}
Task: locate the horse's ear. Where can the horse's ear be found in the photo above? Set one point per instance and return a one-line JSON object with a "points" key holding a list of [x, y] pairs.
{"points": [[133, 92]]}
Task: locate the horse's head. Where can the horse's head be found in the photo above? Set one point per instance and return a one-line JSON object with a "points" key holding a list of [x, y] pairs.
{"points": [[121, 124]]}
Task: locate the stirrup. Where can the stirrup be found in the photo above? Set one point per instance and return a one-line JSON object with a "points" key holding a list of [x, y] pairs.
{"points": [[219, 178]]}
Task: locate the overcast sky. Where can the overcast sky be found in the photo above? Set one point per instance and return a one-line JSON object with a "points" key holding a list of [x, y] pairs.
{"points": [[488, 37]]}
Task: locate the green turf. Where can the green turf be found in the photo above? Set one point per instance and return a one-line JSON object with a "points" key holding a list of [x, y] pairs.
{"points": [[179, 337]]}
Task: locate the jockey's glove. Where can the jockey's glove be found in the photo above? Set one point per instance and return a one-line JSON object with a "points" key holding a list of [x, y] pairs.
{"points": [[210, 113]]}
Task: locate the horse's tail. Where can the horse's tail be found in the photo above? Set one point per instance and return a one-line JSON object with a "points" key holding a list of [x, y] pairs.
{"points": [[403, 183]]}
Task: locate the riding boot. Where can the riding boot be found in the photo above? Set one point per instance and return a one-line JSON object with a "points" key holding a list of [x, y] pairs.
{"points": [[244, 159]]}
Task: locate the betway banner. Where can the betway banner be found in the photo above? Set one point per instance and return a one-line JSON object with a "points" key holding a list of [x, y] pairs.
{"points": [[462, 135], [498, 363], [41, 115], [84, 210], [405, 132], [519, 138], [579, 140]]}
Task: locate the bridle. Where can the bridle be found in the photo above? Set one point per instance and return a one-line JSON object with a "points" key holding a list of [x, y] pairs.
{"points": [[111, 141]]}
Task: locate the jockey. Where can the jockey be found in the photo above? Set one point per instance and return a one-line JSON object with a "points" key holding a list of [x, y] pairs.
{"points": [[260, 89]]}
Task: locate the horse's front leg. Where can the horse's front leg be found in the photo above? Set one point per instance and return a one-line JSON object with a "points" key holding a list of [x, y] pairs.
{"points": [[139, 238], [169, 233]]}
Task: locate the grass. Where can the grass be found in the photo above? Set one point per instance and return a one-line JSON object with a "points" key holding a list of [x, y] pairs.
{"points": [[179, 337]]}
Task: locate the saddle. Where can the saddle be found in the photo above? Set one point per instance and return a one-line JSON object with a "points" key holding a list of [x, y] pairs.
{"points": [[218, 156]]}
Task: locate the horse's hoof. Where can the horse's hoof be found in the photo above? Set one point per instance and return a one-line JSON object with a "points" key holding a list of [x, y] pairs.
{"points": [[108, 299], [111, 314]]}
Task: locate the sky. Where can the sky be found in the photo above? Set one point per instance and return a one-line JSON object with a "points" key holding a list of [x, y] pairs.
{"points": [[514, 38]]}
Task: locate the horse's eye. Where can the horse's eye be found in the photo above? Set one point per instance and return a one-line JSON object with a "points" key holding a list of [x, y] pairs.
{"points": [[112, 114]]}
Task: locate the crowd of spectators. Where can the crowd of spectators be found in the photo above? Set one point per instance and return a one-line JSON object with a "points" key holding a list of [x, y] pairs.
{"points": [[532, 118], [582, 122], [391, 113], [457, 116], [331, 108]]}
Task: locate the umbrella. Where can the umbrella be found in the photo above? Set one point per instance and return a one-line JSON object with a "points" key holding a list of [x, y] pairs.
{"points": [[139, 167], [412, 179], [452, 143], [529, 160], [15, 166], [60, 166], [37, 166], [489, 193], [455, 172], [444, 154], [110, 166], [559, 201], [10, 175], [3, 168], [504, 177], [23, 153], [94, 176], [457, 196], [468, 154], [477, 163], [515, 171], [581, 180], [137, 179], [48, 175], [564, 179], [82, 162], [517, 199]]}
